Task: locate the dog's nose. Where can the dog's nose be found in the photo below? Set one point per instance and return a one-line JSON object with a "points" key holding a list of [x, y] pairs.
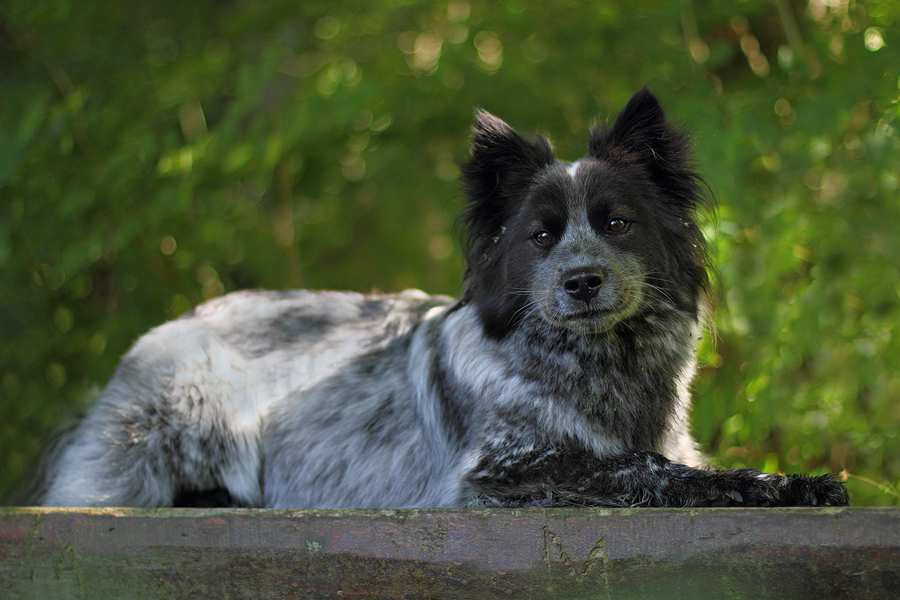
{"points": [[583, 285]]}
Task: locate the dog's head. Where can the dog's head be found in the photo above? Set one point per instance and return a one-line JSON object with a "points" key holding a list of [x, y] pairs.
{"points": [[583, 245]]}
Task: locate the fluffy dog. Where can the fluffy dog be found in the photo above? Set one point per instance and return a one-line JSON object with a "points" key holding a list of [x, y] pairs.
{"points": [[560, 377]]}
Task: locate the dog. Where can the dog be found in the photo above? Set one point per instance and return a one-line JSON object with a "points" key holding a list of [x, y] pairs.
{"points": [[560, 377]]}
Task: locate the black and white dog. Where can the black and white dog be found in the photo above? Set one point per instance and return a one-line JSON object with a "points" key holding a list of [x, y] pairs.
{"points": [[560, 377]]}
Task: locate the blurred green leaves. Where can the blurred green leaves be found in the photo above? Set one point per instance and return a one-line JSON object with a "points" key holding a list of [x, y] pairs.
{"points": [[153, 155]]}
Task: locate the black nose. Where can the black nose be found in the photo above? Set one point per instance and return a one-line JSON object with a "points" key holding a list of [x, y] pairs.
{"points": [[583, 286]]}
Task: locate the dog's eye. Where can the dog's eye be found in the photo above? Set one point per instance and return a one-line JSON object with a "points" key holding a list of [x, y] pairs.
{"points": [[544, 238], [617, 225]]}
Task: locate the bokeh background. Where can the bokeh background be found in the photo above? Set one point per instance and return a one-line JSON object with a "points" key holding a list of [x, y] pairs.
{"points": [[156, 154]]}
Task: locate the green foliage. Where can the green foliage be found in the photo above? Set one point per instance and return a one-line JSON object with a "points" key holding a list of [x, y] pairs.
{"points": [[153, 155]]}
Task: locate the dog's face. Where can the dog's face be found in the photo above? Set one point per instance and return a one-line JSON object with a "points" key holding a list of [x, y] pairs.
{"points": [[585, 245], [581, 231]]}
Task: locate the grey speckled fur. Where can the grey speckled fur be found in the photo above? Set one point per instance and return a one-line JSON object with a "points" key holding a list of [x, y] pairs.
{"points": [[560, 377]]}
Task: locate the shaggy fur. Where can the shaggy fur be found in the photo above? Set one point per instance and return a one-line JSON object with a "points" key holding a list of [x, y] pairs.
{"points": [[559, 378]]}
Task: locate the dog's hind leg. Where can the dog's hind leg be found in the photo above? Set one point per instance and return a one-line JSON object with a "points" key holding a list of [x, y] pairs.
{"points": [[151, 457], [95, 469], [163, 429]]}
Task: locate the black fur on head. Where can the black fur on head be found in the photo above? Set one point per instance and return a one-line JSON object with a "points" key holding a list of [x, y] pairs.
{"points": [[501, 168], [511, 180], [642, 134]]}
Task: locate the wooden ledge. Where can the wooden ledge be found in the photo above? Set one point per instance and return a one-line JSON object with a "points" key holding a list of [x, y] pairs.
{"points": [[98, 554]]}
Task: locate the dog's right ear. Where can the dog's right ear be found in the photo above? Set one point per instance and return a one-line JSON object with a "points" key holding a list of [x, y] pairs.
{"points": [[501, 165]]}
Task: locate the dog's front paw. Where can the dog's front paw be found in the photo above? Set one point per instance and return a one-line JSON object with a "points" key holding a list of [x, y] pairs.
{"points": [[748, 487], [805, 490], [754, 488]]}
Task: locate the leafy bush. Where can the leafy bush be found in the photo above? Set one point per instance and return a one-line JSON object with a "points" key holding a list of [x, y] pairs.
{"points": [[153, 155]]}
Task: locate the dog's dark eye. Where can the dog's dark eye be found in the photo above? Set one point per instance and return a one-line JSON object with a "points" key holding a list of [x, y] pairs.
{"points": [[617, 225], [544, 238]]}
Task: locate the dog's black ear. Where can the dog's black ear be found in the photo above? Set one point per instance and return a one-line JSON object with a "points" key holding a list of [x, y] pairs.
{"points": [[502, 164], [642, 124], [643, 134]]}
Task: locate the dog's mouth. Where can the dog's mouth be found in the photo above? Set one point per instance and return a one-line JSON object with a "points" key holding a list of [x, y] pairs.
{"points": [[599, 314], [588, 321], [595, 317]]}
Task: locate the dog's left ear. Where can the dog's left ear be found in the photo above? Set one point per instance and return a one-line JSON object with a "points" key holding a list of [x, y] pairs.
{"points": [[643, 134], [642, 128], [502, 164]]}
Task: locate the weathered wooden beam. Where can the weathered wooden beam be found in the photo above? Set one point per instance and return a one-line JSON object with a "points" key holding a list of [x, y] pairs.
{"points": [[98, 554]]}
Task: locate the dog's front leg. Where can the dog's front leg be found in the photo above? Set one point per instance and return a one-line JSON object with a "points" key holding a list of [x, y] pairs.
{"points": [[574, 477]]}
